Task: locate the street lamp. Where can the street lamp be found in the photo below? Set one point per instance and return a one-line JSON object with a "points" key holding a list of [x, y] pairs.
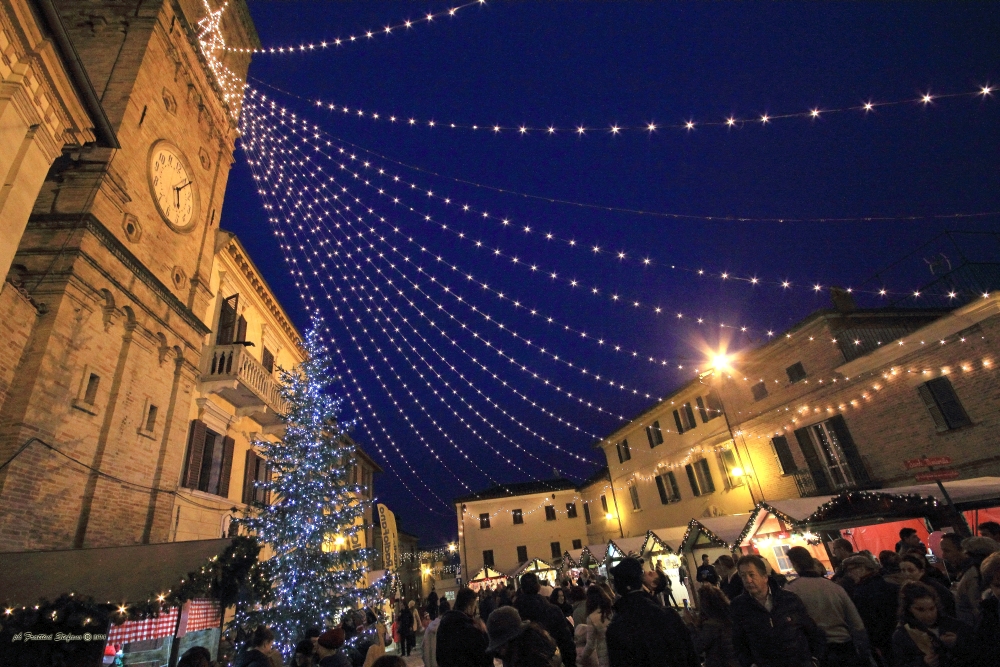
{"points": [[721, 362]]}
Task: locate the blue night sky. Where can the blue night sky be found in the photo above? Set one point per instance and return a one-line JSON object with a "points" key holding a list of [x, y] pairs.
{"points": [[599, 64]]}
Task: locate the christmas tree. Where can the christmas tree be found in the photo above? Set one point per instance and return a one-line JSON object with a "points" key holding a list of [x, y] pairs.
{"points": [[314, 510]]}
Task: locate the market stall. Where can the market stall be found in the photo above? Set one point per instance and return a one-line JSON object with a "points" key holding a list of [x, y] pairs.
{"points": [[978, 499], [546, 573], [659, 554], [487, 579], [623, 547], [595, 555], [712, 537], [773, 529]]}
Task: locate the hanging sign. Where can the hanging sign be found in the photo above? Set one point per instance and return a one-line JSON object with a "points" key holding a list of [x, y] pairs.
{"points": [[925, 461], [390, 538]]}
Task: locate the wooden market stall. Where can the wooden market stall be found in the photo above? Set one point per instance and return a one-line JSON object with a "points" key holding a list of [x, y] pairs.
{"points": [[546, 573], [487, 579], [661, 554]]}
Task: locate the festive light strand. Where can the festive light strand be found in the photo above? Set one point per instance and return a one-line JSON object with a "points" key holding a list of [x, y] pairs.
{"points": [[421, 375], [361, 36], [649, 128], [211, 43]]}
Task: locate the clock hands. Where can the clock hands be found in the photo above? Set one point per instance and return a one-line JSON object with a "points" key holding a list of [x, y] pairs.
{"points": [[177, 192]]}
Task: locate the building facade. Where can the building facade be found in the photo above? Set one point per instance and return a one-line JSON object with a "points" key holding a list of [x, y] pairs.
{"points": [[105, 313]]}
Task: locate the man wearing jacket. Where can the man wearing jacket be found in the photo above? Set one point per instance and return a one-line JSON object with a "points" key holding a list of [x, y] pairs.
{"points": [[461, 642], [771, 627], [533, 607], [643, 633]]}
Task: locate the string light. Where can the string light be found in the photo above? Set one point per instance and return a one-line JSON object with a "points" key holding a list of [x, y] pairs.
{"points": [[362, 35], [212, 45], [615, 129]]}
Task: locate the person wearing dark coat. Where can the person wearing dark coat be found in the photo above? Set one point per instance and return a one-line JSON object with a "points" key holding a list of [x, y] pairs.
{"points": [[706, 574], [877, 601], [771, 627], [643, 633], [432, 604], [729, 579], [987, 636], [260, 646], [927, 638], [461, 642], [533, 607]]}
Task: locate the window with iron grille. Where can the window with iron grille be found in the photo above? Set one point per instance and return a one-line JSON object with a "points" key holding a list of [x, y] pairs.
{"points": [[943, 404]]}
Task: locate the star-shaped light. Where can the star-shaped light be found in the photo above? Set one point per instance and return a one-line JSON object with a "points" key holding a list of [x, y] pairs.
{"points": [[814, 113], [764, 119], [730, 121], [869, 106], [986, 90], [926, 99], [651, 127], [615, 129], [580, 130], [689, 125]]}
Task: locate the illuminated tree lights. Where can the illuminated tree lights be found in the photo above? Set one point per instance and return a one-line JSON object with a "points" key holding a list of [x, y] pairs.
{"points": [[315, 510]]}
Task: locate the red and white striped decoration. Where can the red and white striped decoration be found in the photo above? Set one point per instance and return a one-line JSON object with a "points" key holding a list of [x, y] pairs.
{"points": [[203, 614], [161, 625]]}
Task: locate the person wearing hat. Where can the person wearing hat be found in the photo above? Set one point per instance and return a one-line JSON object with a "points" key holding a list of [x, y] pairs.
{"points": [[970, 587], [643, 633], [328, 646], [461, 641], [533, 607], [520, 643], [876, 599]]}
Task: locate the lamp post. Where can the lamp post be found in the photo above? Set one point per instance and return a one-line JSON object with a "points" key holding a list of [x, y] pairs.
{"points": [[719, 363]]}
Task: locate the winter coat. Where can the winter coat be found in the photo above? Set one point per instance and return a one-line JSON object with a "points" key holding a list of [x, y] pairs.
{"points": [[732, 587], [600, 636], [460, 642], [714, 640], [338, 659], [968, 593], [536, 608], [586, 650], [786, 636], [429, 647], [377, 649], [944, 593], [988, 629], [706, 574], [579, 613], [254, 658], [878, 602], [910, 645], [644, 634], [432, 605]]}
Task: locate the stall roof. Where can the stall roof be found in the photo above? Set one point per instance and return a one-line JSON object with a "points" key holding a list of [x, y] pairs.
{"points": [[110, 574], [629, 545], [673, 536], [727, 528], [798, 508], [575, 555], [975, 492], [533, 565], [487, 573], [598, 551]]}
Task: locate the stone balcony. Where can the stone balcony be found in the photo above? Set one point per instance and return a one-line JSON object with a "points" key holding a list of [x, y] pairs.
{"points": [[231, 372]]}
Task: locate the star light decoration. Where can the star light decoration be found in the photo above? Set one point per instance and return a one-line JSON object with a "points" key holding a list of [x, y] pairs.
{"points": [[212, 45]]}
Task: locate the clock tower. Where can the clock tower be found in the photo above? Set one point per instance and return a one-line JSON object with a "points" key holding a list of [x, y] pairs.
{"points": [[116, 260]]}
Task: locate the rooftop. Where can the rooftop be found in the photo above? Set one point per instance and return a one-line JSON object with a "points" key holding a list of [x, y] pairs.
{"points": [[520, 489]]}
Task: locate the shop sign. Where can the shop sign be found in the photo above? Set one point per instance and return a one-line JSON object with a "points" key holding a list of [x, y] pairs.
{"points": [[936, 475], [925, 461]]}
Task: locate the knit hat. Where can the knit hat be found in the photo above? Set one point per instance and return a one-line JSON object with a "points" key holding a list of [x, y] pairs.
{"points": [[980, 546], [504, 624], [332, 639], [627, 574]]}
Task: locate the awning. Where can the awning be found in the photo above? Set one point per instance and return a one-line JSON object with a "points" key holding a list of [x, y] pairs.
{"points": [[723, 529], [488, 573], [598, 552], [672, 537], [627, 546], [533, 565], [111, 574], [965, 493], [574, 556]]}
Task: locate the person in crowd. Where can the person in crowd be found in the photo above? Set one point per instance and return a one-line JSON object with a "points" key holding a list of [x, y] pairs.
{"points": [[304, 654], [876, 600], [428, 648], [376, 649], [729, 579], [578, 597], [409, 626], [771, 627], [329, 646], [706, 574], [988, 628], [586, 649], [926, 637], [955, 560], [196, 656], [643, 633], [889, 560], [655, 582], [432, 603], [487, 603], [909, 539], [461, 637], [521, 643], [558, 598], [533, 607], [712, 628], [840, 550], [990, 529], [598, 617], [916, 568], [831, 608], [685, 579], [969, 590], [257, 655]]}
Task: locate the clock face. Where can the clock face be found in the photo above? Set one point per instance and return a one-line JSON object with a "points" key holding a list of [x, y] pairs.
{"points": [[172, 186]]}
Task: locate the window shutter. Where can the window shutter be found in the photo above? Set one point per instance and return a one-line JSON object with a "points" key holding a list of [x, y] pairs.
{"points": [[626, 452], [677, 420], [932, 407], [649, 436], [693, 480], [662, 489], [850, 450], [267, 360], [196, 451], [701, 410], [657, 433], [691, 423], [947, 401], [618, 447], [586, 512], [784, 455], [812, 460], [713, 405], [675, 491], [241, 330], [227, 320], [227, 466], [708, 485], [249, 477]]}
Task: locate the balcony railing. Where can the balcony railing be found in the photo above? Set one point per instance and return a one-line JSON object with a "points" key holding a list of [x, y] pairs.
{"points": [[231, 372], [806, 485]]}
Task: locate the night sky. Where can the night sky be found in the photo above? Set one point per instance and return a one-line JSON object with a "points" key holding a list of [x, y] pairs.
{"points": [[599, 64]]}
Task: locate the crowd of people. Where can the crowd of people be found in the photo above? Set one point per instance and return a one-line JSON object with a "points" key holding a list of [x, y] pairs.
{"points": [[897, 609]]}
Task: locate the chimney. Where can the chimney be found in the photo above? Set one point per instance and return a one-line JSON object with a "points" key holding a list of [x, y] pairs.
{"points": [[843, 301]]}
